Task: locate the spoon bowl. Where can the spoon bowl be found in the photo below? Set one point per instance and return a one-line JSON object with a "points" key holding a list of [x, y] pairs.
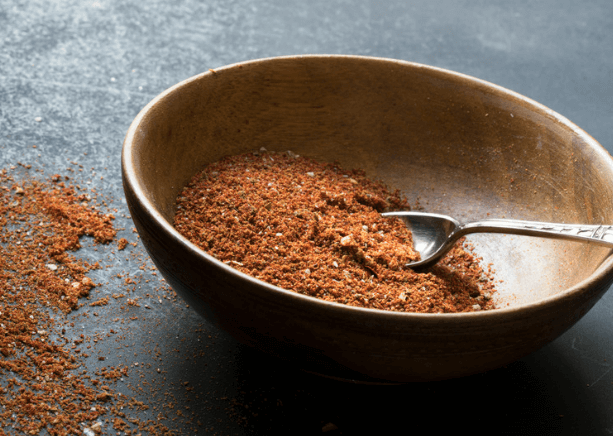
{"points": [[435, 234]]}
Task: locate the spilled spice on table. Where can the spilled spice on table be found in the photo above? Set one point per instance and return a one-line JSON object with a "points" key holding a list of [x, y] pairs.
{"points": [[316, 229], [43, 387]]}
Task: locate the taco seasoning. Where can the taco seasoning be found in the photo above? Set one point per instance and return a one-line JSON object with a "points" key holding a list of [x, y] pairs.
{"points": [[316, 229], [44, 388]]}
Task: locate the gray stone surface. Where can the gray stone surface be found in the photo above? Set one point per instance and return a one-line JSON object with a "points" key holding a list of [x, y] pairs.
{"points": [[73, 74]]}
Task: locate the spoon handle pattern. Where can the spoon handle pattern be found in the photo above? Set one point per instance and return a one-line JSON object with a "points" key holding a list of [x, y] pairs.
{"points": [[600, 234]]}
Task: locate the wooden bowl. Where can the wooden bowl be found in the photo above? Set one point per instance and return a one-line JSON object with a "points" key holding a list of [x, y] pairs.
{"points": [[462, 146]]}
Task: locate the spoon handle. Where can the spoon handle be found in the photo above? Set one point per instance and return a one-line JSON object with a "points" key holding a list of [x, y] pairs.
{"points": [[599, 234]]}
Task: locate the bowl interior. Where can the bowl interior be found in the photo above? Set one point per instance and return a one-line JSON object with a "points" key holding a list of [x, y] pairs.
{"points": [[456, 145]]}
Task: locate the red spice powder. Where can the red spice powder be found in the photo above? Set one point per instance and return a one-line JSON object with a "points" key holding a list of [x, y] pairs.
{"points": [[39, 225], [316, 229], [40, 282]]}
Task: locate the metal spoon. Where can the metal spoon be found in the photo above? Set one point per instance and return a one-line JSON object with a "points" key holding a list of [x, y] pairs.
{"points": [[434, 235]]}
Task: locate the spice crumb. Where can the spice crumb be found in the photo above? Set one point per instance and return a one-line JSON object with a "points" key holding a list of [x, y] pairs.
{"points": [[122, 243]]}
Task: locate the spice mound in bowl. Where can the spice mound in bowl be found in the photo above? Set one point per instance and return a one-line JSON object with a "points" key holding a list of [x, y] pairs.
{"points": [[316, 229]]}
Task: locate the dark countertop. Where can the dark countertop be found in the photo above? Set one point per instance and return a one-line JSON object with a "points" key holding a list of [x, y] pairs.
{"points": [[73, 75]]}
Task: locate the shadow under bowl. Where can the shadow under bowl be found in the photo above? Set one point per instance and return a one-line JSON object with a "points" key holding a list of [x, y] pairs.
{"points": [[459, 145]]}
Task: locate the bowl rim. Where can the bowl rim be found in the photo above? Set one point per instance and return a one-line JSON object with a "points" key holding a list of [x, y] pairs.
{"points": [[131, 181]]}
